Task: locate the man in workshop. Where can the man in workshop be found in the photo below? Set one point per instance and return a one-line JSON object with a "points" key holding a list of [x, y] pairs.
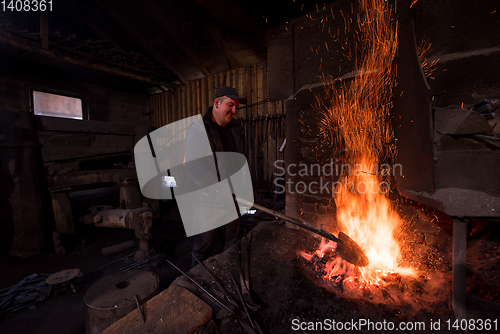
{"points": [[225, 134]]}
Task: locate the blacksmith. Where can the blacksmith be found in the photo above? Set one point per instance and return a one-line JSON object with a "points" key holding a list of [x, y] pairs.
{"points": [[225, 134]]}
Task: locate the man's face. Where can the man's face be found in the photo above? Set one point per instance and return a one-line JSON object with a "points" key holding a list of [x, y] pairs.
{"points": [[224, 110]]}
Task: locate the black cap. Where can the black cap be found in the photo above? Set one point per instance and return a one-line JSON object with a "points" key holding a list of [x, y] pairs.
{"points": [[229, 92]]}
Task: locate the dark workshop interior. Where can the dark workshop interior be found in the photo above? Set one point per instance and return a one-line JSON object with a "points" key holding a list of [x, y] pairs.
{"points": [[371, 124]]}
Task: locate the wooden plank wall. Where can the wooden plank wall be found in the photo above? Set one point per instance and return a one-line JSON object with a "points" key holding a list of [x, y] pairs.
{"points": [[264, 121]]}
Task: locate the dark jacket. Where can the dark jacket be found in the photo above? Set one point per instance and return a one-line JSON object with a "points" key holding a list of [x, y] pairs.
{"points": [[214, 136], [200, 170]]}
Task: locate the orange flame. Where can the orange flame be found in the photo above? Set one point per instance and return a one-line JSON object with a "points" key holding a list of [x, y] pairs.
{"points": [[357, 117]]}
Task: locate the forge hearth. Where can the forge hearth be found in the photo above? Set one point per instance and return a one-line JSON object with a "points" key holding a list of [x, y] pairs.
{"points": [[287, 286]]}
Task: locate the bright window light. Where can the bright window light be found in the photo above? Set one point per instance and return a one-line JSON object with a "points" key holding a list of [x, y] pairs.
{"points": [[46, 104]]}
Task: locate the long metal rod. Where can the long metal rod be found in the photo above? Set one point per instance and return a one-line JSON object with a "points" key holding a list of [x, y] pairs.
{"points": [[241, 299], [116, 261], [351, 251], [291, 220], [137, 264], [245, 283], [139, 308], [221, 288], [208, 293]]}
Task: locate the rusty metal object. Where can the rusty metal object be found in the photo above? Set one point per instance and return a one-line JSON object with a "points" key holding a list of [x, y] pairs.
{"points": [[117, 218], [143, 320], [112, 297], [348, 249], [140, 220]]}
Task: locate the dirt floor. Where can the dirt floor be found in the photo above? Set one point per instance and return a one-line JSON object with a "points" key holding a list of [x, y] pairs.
{"points": [[289, 289]]}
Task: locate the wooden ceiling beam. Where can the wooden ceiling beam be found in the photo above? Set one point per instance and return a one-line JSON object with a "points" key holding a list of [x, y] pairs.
{"points": [[140, 38], [219, 39], [173, 32]]}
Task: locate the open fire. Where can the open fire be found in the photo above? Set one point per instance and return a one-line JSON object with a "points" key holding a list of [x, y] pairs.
{"points": [[356, 117]]}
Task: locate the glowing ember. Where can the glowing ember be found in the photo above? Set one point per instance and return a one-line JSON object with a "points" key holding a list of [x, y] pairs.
{"points": [[357, 117]]}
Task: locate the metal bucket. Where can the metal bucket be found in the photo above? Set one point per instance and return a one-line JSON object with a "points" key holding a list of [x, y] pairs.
{"points": [[112, 297]]}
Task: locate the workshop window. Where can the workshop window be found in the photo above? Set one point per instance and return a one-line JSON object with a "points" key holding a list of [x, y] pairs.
{"points": [[46, 104]]}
